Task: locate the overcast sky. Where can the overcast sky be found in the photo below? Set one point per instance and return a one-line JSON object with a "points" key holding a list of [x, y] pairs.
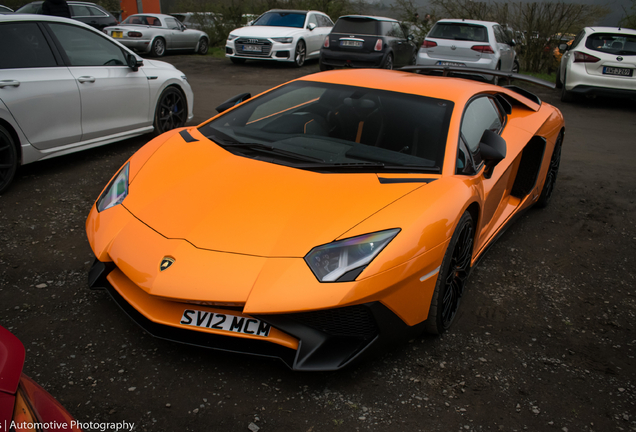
{"points": [[612, 19]]}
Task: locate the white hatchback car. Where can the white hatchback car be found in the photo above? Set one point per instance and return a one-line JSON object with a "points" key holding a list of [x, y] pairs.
{"points": [[600, 61], [281, 35], [65, 87], [471, 44]]}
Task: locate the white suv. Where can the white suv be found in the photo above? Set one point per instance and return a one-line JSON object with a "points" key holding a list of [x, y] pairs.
{"points": [[469, 43], [600, 61], [281, 35]]}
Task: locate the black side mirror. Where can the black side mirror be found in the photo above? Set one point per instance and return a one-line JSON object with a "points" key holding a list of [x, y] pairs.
{"points": [[133, 62], [512, 43], [410, 38], [233, 101], [493, 150]]}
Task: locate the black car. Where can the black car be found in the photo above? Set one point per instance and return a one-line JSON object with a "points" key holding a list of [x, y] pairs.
{"points": [[367, 42], [88, 13]]}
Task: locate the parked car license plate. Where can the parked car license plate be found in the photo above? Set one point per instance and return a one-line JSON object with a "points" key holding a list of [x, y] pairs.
{"points": [[350, 43], [118, 34], [232, 323], [607, 70], [252, 48], [447, 63]]}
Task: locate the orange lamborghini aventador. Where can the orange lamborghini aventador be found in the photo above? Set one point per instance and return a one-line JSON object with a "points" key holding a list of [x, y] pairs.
{"points": [[325, 217]]}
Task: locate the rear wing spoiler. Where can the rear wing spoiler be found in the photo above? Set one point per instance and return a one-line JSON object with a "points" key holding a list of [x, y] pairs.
{"points": [[474, 72]]}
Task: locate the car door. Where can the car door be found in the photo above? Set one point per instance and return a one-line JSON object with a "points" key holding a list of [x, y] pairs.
{"points": [[481, 114], [314, 38], [38, 90], [181, 38], [506, 52], [114, 98]]}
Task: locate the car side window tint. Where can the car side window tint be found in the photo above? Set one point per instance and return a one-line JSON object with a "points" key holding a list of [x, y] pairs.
{"points": [[397, 30], [23, 45], [79, 11], [87, 48], [172, 23], [96, 11], [499, 36], [481, 114], [578, 39], [324, 21], [312, 20]]}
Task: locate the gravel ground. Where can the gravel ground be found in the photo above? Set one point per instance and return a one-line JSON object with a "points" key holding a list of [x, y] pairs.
{"points": [[544, 341]]}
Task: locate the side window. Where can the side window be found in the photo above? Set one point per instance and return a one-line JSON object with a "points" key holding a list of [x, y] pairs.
{"points": [[172, 23], [499, 36], [86, 48], [96, 12], [312, 20], [397, 30], [23, 45], [481, 114], [79, 11], [324, 21]]}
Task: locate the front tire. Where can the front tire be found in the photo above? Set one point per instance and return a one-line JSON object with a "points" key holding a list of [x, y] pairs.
{"points": [[300, 53], [566, 96], [203, 46], [551, 175], [495, 79], [452, 277], [515, 67], [158, 48], [171, 111], [8, 159]]}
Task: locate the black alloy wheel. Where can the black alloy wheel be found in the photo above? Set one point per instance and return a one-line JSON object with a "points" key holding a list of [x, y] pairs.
{"points": [[515, 67], [158, 48], [388, 63], [8, 159], [452, 277], [551, 176], [171, 112], [300, 54]]}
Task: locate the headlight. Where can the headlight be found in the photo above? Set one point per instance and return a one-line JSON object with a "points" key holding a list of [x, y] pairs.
{"points": [[116, 191], [231, 37], [283, 40], [344, 260]]}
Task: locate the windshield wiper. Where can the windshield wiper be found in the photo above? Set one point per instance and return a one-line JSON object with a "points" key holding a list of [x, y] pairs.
{"points": [[264, 148]]}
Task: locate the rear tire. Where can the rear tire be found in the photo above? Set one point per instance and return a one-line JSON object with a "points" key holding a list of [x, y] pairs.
{"points": [[495, 79], [566, 96], [515, 67], [158, 47], [551, 175], [559, 84], [8, 159], [203, 46], [388, 62], [324, 67], [452, 277]]}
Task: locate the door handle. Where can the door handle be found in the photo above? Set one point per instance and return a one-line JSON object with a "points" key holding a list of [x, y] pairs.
{"points": [[9, 83], [85, 79]]}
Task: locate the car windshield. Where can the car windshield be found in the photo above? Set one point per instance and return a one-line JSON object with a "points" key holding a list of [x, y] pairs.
{"points": [[281, 19], [612, 43], [337, 126], [142, 20], [360, 26], [459, 31], [31, 8]]}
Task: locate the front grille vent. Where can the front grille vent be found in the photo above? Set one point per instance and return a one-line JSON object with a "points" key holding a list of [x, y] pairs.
{"points": [[351, 321], [264, 44]]}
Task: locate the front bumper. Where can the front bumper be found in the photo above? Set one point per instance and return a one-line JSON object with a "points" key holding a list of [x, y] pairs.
{"points": [[309, 341], [353, 60], [283, 52]]}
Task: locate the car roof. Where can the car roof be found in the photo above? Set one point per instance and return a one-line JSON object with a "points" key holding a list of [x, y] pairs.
{"points": [[467, 21], [50, 18], [70, 2], [373, 17], [610, 30], [290, 11]]}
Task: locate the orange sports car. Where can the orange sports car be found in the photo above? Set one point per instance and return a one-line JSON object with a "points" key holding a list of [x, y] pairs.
{"points": [[323, 218]]}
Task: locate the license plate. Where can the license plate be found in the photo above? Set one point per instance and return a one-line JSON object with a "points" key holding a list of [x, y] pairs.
{"points": [[226, 322], [607, 70], [252, 48], [447, 63], [350, 43], [118, 34]]}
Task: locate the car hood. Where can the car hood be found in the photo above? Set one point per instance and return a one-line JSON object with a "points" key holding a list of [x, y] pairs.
{"points": [[218, 201], [267, 31], [158, 64]]}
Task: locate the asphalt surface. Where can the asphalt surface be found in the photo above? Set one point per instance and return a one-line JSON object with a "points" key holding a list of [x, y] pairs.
{"points": [[544, 341]]}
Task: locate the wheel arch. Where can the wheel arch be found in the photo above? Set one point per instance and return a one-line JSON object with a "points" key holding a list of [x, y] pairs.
{"points": [[14, 136]]}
